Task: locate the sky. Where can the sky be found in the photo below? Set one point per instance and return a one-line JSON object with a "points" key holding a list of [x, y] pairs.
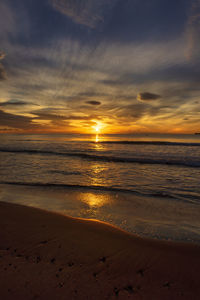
{"points": [[112, 66]]}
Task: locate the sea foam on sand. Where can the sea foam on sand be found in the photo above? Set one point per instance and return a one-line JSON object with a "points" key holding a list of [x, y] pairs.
{"points": [[45, 255]]}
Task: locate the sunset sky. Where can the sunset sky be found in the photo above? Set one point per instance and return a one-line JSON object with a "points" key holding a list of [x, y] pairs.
{"points": [[118, 66]]}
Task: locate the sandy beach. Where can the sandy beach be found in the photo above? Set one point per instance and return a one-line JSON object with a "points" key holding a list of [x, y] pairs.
{"points": [[44, 255]]}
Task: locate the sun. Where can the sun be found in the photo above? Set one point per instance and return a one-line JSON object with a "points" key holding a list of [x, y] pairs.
{"points": [[97, 128]]}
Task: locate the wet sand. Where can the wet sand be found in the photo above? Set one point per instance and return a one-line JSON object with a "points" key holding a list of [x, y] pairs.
{"points": [[45, 255]]}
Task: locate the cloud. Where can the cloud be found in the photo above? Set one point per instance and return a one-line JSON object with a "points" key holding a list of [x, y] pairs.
{"points": [[52, 116], [14, 103], [133, 112], [85, 12], [7, 20], [193, 31], [93, 102], [106, 68], [2, 73], [2, 70], [15, 121], [48, 116], [2, 55], [146, 96]]}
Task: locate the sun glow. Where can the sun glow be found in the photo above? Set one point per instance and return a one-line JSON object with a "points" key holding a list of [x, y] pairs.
{"points": [[97, 128]]}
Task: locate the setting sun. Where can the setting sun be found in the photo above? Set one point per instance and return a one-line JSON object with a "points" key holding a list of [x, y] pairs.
{"points": [[97, 127]]}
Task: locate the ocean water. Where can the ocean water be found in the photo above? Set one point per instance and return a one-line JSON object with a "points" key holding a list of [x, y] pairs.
{"points": [[146, 184]]}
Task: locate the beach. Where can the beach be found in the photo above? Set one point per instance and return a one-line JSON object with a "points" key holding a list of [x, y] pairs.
{"points": [[99, 150], [45, 255]]}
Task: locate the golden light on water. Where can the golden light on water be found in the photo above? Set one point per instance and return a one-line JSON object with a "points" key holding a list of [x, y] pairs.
{"points": [[97, 138], [94, 201]]}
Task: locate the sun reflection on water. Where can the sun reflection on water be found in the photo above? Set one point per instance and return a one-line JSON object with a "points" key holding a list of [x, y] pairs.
{"points": [[95, 200], [97, 174]]}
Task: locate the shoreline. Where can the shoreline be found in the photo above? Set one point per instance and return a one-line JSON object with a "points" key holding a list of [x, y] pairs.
{"points": [[152, 217], [45, 255]]}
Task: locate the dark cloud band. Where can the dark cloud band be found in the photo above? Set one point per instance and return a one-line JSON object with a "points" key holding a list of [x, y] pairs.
{"points": [[93, 102], [145, 96], [13, 103]]}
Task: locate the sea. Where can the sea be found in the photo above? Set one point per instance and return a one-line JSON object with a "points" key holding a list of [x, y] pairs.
{"points": [[146, 184]]}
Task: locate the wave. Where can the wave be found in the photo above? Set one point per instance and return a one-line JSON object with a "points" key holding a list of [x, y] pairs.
{"points": [[65, 172], [159, 143], [127, 142], [160, 194], [187, 198], [88, 187], [104, 158]]}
